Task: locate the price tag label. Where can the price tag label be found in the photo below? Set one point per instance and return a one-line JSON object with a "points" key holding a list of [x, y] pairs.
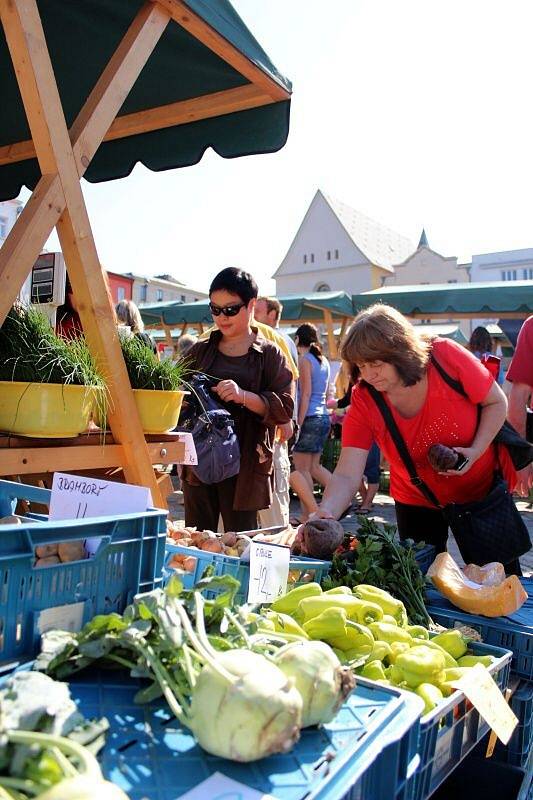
{"points": [[269, 571], [480, 688], [220, 787], [76, 497]]}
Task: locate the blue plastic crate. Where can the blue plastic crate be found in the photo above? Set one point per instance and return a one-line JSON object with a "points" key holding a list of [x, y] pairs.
{"points": [[129, 559], [451, 731], [311, 568], [499, 631], [519, 748], [425, 556], [368, 752]]}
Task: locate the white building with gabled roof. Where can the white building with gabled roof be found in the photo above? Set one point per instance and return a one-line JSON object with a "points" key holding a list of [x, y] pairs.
{"points": [[338, 248], [426, 266]]}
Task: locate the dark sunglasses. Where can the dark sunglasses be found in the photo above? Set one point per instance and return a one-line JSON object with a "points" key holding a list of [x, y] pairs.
{"points": [[228, 311]]}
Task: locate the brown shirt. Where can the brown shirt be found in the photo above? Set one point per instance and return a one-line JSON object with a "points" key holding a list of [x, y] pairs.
{"points": [[262, 370]]}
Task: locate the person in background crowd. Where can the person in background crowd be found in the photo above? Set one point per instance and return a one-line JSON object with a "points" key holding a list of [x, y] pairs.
{"points": [[370, 483], [313, 417], [481, 346], [128, 314], [254, 382], [268, 312], [185, 343], [387, 353], [68, 323], [520, 375]]}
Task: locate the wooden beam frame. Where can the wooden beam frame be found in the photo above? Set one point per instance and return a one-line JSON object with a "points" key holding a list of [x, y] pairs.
{"points": [[61, 163], [57, 200], [216, 104]]}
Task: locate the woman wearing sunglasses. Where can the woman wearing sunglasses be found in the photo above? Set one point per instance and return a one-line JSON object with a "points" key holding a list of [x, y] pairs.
{"points": [[251, 378]]}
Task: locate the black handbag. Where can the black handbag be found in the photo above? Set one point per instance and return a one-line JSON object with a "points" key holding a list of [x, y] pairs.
{"points": [[520, 450], [486, 530]]}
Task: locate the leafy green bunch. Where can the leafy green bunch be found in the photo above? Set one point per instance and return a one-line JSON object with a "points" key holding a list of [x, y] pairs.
{"points": [[146, 371], [31, 351], [381, 560]]}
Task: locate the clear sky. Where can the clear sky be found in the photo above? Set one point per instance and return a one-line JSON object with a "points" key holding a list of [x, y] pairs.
{"points": [[416, 112]]}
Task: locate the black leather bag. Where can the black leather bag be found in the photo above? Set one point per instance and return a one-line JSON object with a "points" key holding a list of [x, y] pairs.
{"points": [[520, 450], [487, 530]]}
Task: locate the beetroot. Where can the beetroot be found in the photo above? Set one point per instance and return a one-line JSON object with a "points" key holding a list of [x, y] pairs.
{"points": [[321, 537], [442, 458]]}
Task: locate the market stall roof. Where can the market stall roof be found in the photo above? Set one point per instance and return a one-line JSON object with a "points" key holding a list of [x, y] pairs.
{"points": [[295, 307], [495, 299], [208, 83]]}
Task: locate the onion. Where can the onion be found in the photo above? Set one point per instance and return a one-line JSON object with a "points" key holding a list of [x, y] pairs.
{"points": [[253, 716], [319, 677]]}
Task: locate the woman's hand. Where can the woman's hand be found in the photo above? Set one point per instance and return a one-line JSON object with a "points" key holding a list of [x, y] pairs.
{"points": [[321, 513], [229, 392], [470, 453]]}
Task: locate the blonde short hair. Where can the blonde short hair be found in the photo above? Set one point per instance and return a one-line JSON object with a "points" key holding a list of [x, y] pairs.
{"points": [[129, 314], [381, 333]]}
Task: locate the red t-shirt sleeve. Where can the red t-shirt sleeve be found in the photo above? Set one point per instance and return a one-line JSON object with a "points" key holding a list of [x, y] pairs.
{"points": [[356, 428], [462, 365], [521, 369]]}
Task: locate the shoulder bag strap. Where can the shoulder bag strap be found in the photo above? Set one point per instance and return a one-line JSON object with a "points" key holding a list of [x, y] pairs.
{"points": [[452, 383], [401, 447]]}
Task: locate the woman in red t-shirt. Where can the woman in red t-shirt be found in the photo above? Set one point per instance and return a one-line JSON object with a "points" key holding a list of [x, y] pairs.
{"points": [[391, 356]]}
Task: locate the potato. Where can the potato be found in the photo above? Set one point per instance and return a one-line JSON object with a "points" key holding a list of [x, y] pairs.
{"points": [[46, 550], [212, 546], [11, 520], [46, 562], [71, 551], [229, 538]]}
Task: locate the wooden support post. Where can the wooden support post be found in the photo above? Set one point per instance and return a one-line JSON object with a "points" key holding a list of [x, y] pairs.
{"points": [[43, 210], [344, 325], [168, 335], [27, 44], [332, 344]]}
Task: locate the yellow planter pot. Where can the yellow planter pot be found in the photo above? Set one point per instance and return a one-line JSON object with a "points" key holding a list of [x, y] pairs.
{"points": [[159, 410], [44, 410]]}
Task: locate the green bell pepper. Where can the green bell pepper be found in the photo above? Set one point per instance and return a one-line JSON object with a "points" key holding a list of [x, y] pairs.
{"points": [[388, 603], [384, 632], [283, 623], [418, 632], [453, 674], [471, 661], [448, 659], [288, 603], [356, 610], [389, 620], [430, 694], [453, 642], [339, 590], [418, 665], [380, 651], [373, 670], [334, 627], [397, 648]]}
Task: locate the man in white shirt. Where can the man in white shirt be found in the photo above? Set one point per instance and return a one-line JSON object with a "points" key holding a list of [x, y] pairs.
{"points": [[268, 312]]}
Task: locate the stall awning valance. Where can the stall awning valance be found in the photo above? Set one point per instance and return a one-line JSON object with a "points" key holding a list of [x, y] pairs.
{"points": [[308, 307], [220, 90], [466, 299]]}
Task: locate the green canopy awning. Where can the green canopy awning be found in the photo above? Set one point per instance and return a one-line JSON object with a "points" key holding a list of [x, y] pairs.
{"points": [[83, 34], [309, 307], [458, 299]]}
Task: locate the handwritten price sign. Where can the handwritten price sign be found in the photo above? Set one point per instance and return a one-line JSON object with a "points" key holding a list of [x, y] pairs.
{"points": [[77, 497], [269, 571]]}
